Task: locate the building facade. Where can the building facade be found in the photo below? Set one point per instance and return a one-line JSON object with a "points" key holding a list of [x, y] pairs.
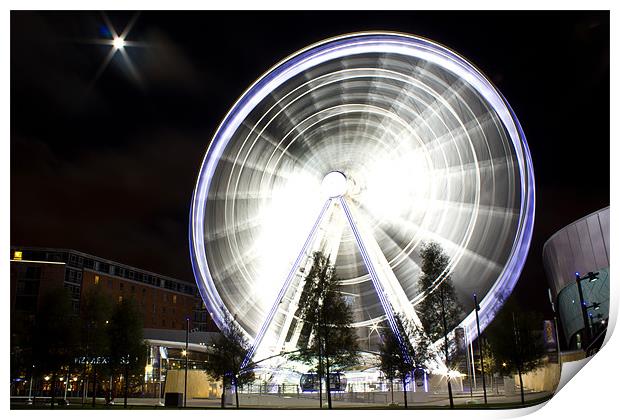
{"points": [[569, 256], [165, 302]]}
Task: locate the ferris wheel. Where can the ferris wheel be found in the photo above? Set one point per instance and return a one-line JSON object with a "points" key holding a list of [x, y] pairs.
{"points": [[365, 147]]}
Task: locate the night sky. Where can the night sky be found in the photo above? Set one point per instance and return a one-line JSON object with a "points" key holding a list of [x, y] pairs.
{"points": [[108, 166]]}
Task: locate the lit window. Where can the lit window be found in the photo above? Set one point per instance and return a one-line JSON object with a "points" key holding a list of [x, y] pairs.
{"points": [[17, 255], [174, 298], [120, 299], [96, 279]]}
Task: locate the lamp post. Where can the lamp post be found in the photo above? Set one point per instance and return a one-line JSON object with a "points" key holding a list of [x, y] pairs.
{"points": [[445, 338], [484, 385], [555, 326], [584, 306], [186, 359], [160, 361], [517, 343], [66, 384], [94, 367], [596, 306], [468, 364], [29, 401]]}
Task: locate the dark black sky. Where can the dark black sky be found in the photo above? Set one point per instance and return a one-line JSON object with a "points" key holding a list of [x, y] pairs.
{"points": [[109, 169]]}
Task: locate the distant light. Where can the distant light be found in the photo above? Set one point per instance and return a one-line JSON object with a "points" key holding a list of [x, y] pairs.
{"points": [[184, 353], [577, 273], [118, 43], [504, 364], [17, 255], [47, 378]]}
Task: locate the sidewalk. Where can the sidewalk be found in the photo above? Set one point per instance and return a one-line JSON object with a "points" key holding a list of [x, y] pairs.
{"points": [[370, 400]]}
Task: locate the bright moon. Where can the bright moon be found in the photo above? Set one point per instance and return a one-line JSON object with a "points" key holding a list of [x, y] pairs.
{"points": [[118, 43]]}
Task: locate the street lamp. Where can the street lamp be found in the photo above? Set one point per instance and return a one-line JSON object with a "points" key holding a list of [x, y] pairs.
{"points": [[159, 350], [185, 353], [484, 385], [66, 385], [29, 402], [591, 277]]}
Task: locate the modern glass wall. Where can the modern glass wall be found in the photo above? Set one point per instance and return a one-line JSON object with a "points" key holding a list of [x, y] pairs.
{"points": [[581, 247], [596, 297]]}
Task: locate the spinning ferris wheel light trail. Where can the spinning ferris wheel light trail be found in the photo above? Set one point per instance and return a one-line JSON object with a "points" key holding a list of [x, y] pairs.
{"points": [[364, 146], [286, 284]]}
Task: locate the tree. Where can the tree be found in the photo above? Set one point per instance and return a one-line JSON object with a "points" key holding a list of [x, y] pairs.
{"points": [[440, 311], [127, 349], [96, 312], [515, 341], [226, 360], [399, 360], [391, 357], [328, 341], [55, 340], [22, 333]]}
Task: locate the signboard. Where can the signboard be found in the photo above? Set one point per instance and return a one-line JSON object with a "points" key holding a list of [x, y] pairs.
{"points": [[550, 340]]}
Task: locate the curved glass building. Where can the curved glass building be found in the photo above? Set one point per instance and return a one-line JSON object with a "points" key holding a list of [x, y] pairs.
{"points": [[578, 255]]}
